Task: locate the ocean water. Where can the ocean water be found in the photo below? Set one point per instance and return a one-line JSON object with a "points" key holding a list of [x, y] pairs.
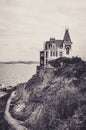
{"points": [[12, 74]]}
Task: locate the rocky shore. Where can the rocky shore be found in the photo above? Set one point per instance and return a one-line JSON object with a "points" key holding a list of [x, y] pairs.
{"points": [[5, 93], [3, 100]]}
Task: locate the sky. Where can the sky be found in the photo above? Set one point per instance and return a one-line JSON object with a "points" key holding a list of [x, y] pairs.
{"points": [[26, 24]]}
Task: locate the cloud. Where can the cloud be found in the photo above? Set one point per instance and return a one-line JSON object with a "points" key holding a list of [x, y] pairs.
{"points": [[28, 23]]}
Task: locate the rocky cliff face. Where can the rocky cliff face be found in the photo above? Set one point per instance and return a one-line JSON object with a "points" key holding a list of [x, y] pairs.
{"points": [[54, 98]]}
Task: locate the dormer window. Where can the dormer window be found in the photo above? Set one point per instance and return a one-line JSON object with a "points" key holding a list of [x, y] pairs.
{"points": [[53, 46]]}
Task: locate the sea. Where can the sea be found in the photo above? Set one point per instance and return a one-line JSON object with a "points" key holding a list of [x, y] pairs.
{"points": [[13, 74]]}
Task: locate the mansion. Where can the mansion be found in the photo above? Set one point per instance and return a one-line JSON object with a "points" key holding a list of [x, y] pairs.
{"points": [[54, 49]]}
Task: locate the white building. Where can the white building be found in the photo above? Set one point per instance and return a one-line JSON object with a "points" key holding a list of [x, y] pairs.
{"points": [[54, 49]]}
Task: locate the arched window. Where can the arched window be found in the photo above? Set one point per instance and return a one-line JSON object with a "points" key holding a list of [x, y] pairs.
{"points": [[67, 51]]}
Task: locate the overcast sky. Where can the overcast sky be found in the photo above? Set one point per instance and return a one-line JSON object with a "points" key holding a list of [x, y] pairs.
{"points": [[26, 24]]}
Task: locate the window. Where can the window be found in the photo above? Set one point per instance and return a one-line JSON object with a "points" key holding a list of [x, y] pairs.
{"points": [[42, 61], [56, 53], [51, 53], [42, 54], [46, 54], [67, 51], [60, 53], [46, 61], [53, 46], [49, 45]]}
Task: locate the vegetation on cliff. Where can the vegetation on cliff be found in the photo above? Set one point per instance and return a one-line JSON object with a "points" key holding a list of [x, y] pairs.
{"points": [[3, 124], [54, 98]]}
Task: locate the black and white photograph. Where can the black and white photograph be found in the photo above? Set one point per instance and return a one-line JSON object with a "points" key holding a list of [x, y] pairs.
{"points": [[42, 64]]}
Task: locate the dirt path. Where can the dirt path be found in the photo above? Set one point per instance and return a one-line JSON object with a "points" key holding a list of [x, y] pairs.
{"points": [[16, 124]]}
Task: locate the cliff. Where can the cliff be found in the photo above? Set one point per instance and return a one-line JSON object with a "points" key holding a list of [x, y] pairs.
{"points": [[54, 98], [3, 100]]}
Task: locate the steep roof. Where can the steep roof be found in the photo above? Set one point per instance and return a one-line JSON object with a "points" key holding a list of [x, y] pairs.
{"points": [[59, 43], [67, 36]]}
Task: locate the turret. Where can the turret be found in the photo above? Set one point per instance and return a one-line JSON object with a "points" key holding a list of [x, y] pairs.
{"points": [[67, 42]]}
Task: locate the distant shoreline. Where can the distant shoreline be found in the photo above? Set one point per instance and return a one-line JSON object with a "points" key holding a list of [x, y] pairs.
{"points": [[20, 62]]}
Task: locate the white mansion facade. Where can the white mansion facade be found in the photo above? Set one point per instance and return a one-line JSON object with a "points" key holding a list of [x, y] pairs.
{"points": [[54, 49]]}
